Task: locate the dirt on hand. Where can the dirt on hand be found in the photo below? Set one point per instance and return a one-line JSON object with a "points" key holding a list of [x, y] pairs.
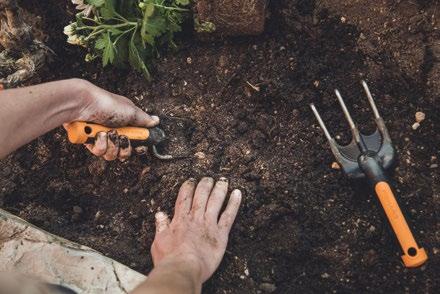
{"points": [[303, 227]]}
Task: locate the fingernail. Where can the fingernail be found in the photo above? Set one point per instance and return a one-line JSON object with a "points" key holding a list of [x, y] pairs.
{"points": [[160, 216], [113, 136], [155, 118], [223, 179], [101, 135], [236, 193], [208, 179], [123, 142]]}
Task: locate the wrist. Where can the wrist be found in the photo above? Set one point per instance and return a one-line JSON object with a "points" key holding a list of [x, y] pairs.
{"points": [[80, 93], [187, 262]]}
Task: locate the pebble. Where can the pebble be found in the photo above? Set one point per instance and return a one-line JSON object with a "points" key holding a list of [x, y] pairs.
{"points": [[325, 276], [316, 83], [420, 116], [98, 215], [415, 126], [189, 60], [200, 155], [434, 165], [267, 287], [335, 165]]}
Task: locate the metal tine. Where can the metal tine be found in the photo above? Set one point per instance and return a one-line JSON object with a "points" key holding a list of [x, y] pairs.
{"points": [[354, 129], [321, 123], [371, 100]]}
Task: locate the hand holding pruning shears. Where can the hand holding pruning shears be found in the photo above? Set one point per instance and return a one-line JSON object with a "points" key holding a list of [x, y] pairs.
{"points": [[113, 111]]}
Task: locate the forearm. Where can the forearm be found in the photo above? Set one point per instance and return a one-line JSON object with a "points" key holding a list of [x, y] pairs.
{"points": [[29, 112], [171, 277]]}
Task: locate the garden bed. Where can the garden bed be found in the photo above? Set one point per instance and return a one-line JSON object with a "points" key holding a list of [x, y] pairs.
{"points": [[303, 226]]}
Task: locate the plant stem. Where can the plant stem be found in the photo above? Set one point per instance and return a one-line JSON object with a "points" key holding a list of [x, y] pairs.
{"points": [[171, 8]]}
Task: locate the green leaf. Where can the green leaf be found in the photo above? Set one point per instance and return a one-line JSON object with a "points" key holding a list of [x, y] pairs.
{"points": [[182, 2], [108, 55], [106, 12], [101, 42], [96, 3]]}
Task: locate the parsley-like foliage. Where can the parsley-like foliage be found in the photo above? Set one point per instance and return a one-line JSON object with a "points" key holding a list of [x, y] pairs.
{"points": [[121, 31]]}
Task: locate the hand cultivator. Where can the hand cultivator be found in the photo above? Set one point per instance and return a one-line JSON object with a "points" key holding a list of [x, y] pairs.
{"points": [[368, 156]]}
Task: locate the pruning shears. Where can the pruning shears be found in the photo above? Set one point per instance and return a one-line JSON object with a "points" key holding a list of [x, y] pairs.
{"points": [[85, 133]]}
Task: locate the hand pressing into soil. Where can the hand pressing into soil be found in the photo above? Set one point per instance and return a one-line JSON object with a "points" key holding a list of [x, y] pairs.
{"points": [[29, 112], [112, 110], [188, 250]]}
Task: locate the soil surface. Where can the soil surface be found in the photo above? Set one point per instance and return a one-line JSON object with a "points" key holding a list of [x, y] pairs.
{"points": [[303, 227]]}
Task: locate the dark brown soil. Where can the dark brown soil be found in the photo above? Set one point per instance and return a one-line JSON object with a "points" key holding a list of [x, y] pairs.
{"points": [[303, 226]]}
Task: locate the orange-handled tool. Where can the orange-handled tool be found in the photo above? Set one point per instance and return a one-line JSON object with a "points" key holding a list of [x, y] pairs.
{"points": [[368, 156], [84, 132]]}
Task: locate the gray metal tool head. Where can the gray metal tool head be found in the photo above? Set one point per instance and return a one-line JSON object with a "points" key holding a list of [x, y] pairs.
{"points": [[377, 145]]}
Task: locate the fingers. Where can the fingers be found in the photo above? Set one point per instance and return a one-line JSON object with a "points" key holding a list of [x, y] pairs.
{"points": [[216, 199], [162, 222], [99, 148], [228, 216], [185, 198], [201, 196], [124, 148], [111, 146]]}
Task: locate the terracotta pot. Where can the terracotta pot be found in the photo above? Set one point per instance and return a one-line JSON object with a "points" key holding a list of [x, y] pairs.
{"points": [[230, 17]]}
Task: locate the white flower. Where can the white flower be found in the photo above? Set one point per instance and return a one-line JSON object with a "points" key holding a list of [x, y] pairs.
{"points": [[69, 30], [86, 9], [76, 40]]}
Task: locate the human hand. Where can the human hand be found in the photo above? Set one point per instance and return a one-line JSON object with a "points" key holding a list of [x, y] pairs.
{"points": [[197, 234], [111, 110]]}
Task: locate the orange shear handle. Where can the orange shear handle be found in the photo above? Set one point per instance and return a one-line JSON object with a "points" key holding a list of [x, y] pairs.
{"points": [[413, 256], [81, 132]]}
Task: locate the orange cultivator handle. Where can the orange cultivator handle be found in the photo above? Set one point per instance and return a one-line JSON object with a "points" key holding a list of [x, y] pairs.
{"points": [[413, 256], [83, 132]]}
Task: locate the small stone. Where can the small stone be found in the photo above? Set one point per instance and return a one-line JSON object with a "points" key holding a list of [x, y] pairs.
{"points": [[420, 116], [316, 83], [434, 165], [189, 60], [362, 36], [336, 165], [415, 126], [125, 191], [77, 209], [267, 287], [98, 215], [325, 276], [246, 272], [343, 19], [200, 155]]}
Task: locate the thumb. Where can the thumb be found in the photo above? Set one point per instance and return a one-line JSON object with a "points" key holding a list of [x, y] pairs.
{"points": [[143, 119], [162, 221]]}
